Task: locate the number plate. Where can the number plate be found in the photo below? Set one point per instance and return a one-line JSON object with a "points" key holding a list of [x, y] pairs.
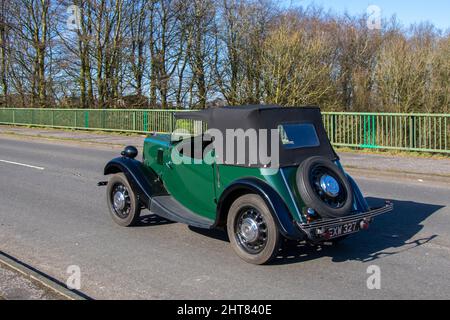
{"points": [[342, 230]]}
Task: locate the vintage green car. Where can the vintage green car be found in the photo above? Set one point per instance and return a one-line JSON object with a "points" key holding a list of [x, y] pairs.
{"points": [[304, 194]]}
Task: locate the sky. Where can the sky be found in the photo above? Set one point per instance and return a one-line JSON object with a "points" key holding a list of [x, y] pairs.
{"points": [[407, 11]]}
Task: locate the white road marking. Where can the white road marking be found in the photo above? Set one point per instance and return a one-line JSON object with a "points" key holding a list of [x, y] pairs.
{"points": [[22, 165]]}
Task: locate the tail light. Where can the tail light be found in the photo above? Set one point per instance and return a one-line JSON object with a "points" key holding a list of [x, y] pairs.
{"points": [[364, 225]]}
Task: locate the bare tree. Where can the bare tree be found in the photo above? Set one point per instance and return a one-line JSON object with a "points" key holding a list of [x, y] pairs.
{"points": [[138, 29], [297, 63], [4, 50], [166, 53], [32, 25]]}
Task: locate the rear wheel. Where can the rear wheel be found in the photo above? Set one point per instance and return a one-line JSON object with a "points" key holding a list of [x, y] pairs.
{"points": [[122, 202], [252, 230]]}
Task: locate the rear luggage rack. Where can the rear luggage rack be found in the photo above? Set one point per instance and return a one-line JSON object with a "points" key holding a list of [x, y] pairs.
{"points": [[307, 227]]}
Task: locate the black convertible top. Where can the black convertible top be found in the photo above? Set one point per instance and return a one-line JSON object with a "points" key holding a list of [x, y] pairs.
{"points": [[268, 117]]}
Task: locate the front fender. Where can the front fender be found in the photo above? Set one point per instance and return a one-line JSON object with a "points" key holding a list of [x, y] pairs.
{"points": [[143, 181], [275, 203]]}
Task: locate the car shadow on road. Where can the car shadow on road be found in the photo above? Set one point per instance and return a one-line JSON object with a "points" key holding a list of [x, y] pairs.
{"points": [[217, 234], [389, 235], [149, 220]]}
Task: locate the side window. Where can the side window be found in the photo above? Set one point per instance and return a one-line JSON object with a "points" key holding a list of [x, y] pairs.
{"points": [[190, 135], [187, 129]]}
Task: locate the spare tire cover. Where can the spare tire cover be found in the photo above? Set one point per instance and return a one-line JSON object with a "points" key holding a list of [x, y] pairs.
{"points": [[325, 188]]}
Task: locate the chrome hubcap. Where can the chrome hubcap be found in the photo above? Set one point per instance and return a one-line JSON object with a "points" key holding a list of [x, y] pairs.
{"points": [[329, 185], [119, 200], [249, 230]]}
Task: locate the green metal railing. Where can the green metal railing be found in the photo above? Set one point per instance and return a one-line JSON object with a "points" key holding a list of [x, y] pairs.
{"points": [[408, 132], [92, 119]]}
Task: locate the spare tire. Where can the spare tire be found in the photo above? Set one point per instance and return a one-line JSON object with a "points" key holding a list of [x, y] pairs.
{"points": [[325, 188]]}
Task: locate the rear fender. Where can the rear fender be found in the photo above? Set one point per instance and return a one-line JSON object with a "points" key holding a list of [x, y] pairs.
{"points": [[275, 203], [360, 203]]}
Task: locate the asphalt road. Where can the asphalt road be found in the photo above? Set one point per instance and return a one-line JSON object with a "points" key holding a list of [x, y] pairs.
{"points": [[53, 216]]}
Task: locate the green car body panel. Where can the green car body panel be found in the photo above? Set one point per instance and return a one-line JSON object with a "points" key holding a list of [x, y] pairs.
{"points": [[198, 186]]}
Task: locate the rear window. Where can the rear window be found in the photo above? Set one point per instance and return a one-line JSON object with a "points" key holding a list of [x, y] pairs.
{"points": [[295, 136]]}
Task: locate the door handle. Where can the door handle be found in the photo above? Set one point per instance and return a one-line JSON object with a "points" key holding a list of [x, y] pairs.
{"points": [[217, 175], [160, 156]]}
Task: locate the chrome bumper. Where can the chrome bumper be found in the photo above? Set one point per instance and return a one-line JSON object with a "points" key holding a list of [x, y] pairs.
{"points": [[311, 228]]}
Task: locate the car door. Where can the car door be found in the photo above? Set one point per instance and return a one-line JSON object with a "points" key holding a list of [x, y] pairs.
{"points": [[190, 179]]}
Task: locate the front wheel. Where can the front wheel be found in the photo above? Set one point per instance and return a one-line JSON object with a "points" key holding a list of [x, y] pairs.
{"points": [[252, 230], [122, 202]]}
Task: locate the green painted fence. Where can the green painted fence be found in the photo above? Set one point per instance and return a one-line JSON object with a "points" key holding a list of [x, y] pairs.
{"points": [[408, 132]]}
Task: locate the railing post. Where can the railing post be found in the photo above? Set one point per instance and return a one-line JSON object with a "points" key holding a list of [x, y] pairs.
{"points": [[333, 128], [374, 131], [412, 132], [104, 119], [172, 122], [370, 132], [86, 119], [14, 116], [445, 134], [134, 121], [146, 121], [365, 131]]}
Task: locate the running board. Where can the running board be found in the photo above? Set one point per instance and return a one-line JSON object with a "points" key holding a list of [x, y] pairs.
{"points": [[167, 207]]}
